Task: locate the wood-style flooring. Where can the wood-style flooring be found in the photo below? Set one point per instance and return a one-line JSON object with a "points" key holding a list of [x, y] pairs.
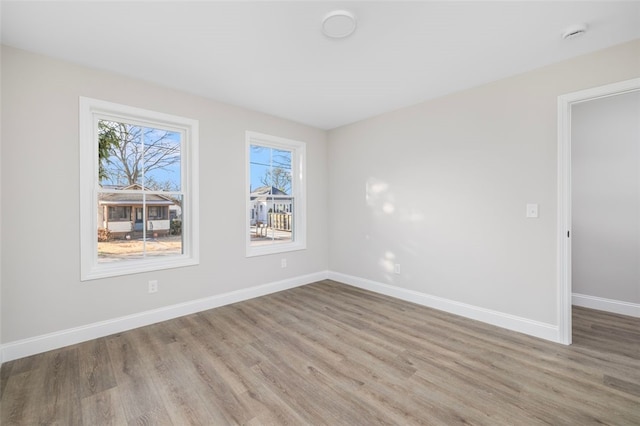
{"points": [[331, 354]]}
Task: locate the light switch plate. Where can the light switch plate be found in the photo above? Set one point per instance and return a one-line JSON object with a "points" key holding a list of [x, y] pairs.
{"points": [[532, 210]]}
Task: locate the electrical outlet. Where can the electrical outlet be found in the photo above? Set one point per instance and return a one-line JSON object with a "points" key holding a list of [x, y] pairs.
{"points": [[396, 268], [283, 263], [153, 286]]}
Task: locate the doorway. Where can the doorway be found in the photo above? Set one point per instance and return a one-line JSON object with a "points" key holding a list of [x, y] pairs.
{"points": [[139, 221], [565, 104]]}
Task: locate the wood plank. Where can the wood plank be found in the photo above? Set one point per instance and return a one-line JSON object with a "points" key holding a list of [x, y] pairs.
{"points": [[96, 374], [103, 408], [136, 386], [327, 353], [19, 402], [59, 398]]}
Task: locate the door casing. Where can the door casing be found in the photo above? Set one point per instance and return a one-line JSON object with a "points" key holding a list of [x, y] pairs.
{"points": [[565, 102]]}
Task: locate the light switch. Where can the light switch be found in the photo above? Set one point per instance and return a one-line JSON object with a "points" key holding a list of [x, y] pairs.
{"points": [[532, 210]]}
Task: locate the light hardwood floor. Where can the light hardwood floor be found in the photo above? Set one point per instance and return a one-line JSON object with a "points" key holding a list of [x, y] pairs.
{"points": [[332, 354]]}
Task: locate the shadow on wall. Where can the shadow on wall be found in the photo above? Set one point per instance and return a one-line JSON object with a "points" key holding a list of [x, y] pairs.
{"points": [[392, 224]]}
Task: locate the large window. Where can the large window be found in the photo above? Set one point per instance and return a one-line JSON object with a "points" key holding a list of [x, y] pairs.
{"points": [[276, 219], [138, 182]]}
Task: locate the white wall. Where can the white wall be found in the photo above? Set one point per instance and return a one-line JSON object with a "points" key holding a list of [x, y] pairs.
{"points": [[441, 189], [41, 288], [605, 155]]}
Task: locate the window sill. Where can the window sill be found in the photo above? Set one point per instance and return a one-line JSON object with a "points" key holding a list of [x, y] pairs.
{"points": [[105, 270], [274, 249]]}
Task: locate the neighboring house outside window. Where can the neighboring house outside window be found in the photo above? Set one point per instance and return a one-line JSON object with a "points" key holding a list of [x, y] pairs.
{"points": [[139, 190], [276, 203], [129, 207]]}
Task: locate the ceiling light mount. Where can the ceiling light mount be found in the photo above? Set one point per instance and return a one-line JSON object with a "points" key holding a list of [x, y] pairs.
{"points": [[574, 31], [339, 24]]}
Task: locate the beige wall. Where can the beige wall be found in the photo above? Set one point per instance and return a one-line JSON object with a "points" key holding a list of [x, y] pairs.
{"points": [[41, 288], [605, 163], [441, 188]]}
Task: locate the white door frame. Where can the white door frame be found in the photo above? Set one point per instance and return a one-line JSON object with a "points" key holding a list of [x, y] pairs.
{"points": [[565, 102]]}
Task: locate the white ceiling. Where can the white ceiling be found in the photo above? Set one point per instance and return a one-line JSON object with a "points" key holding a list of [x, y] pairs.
{"points": [[272, 56]]}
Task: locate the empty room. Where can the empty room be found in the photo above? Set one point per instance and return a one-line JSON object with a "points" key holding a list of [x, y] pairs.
{"points": [[320, 213]]}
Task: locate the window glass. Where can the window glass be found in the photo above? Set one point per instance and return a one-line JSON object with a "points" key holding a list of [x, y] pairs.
{"points": [[271, 196], [275, 221], [139, 172]]}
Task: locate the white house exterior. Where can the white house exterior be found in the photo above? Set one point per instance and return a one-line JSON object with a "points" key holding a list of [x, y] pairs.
{"points": [[268, 199], [122, 213]]}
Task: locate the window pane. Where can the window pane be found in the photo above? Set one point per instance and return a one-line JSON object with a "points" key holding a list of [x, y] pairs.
{"points": [[164, 229], [271, 221], [135, 225], [281, 170], [260, 167], [117, 239], [271, 202], [132, 155], [125, 234], [120, 152], [281, 221], [161, 159]]}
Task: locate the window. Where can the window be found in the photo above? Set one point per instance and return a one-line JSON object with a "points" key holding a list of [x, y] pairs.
{"points": [[139, 190], [119, 213], [158, 213], [276, 206]]}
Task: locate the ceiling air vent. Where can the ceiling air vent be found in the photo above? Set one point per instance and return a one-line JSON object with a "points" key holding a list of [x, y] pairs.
{"points": [[574, 31]]}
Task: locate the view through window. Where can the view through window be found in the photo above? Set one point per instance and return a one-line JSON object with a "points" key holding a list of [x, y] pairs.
{"points": [[139, 196], [271, 200], [276, 194]]}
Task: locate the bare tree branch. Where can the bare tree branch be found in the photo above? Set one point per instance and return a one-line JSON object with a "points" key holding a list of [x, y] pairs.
{"points": [[128, 152]]}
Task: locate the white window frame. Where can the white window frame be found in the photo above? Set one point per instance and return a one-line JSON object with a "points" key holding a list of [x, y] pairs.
{"points": [[93, 110], [298, 191]]}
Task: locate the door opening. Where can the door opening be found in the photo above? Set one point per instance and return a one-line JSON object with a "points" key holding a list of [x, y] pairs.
{"points": [[565, 103]]}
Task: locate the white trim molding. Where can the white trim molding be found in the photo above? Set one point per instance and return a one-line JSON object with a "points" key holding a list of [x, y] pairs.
{"points": [[500, 319], [565, 102], [31, 346], [607, 305]]}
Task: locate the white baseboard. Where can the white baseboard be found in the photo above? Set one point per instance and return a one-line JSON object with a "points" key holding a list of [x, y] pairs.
{"points": [[59, 339], [608, 305], [500, 319], [47, 342]]}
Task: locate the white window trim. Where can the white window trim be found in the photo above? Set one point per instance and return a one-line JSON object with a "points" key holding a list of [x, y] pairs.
{"points": [[90, 110], [299, 191]]}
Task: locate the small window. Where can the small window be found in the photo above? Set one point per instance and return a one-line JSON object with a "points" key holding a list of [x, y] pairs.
{"points": [[119, 213], [276, 207], [158, 213], [136, 166]]}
